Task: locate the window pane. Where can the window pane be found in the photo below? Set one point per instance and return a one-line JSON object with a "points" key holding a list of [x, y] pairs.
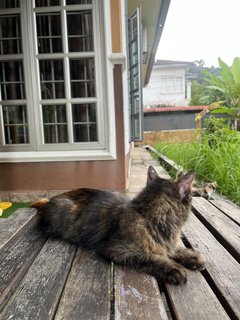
{"points": [[85, 133], [49, 33], [55, 124], [84, 122], [12, 80], [179, 84], [52, 79], [10, 34], [5, 4], [78, 1], [82, 78], [171, 85], [47, 3], [164, 84], [80, 31], [15, 124]]}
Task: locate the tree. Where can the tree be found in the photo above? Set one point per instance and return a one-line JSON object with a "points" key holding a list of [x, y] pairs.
{"points": [[200, 95]]}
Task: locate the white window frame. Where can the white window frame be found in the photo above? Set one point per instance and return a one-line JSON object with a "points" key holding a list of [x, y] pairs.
{"points": [[105, 148], [167, 81]]}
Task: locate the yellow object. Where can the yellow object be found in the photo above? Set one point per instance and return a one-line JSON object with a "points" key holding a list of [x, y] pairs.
{"points": [[4, 206]]}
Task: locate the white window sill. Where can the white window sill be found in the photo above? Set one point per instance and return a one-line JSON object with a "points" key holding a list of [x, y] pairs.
{"points": [[52, 156]]}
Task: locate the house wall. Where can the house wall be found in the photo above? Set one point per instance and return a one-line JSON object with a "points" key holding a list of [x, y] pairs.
{"points": [[27, 181], [40, 178], [152, 94]]}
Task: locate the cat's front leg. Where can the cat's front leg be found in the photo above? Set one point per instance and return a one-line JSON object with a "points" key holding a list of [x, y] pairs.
{"points": [[158, 265], [189, 258], [175, 274]]}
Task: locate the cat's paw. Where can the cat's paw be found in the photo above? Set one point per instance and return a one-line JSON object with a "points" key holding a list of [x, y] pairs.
{"points": [[176, 276], [190, 259], [195, 262]]}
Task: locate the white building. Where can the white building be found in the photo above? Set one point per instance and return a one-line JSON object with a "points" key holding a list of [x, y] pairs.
{"points": [[168, 84]]}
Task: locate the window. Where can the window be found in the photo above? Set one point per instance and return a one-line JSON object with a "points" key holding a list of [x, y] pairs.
{"points": [[52, 94], [135, 74], [171, 84]]}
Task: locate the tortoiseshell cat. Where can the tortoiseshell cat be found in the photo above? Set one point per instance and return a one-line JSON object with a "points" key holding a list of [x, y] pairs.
{"points": [[143, 233], [205, 190]]}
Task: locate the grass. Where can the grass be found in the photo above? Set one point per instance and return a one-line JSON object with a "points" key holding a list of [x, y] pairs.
{"points": [[213, 159], [13, 208]]}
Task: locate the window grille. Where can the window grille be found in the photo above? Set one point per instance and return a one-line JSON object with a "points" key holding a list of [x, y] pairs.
{"points": [[51, 75]]}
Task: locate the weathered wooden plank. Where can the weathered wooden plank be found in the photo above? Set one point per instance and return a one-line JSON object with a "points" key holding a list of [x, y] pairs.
{"points": [[10, 226], [224, 228], [87, 293], [221, 266], [38, 294], [137, 296], [16, 257], [195, 300], [228, 207]]}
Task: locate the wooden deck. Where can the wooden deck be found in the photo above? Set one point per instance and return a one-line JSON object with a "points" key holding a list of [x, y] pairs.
{"points": [[44, 279]]}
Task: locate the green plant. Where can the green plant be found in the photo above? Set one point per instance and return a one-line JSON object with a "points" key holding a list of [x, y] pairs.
{"points": [[213, 161], [228, 85]]}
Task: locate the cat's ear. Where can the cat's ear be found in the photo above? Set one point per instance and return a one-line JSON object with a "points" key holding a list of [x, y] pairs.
{"points": [[185, 183], [151, 174]]}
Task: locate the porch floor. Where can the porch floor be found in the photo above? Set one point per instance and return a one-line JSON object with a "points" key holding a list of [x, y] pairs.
{"points": [[47, 279]]}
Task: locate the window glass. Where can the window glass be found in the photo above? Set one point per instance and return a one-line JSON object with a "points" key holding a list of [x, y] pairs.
{"points": [[10, 34], [50, 70], [12, 80], [49, 33], [171, 84], [7, 4], [55, 123], [52, 79], [80, 31], [47, 3], [84, 122], [179, 84], [82, 77], [15, 124], [78, 1]]}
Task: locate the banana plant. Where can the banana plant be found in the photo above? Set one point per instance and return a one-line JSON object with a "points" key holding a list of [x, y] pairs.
{"points": [[228, 84]]}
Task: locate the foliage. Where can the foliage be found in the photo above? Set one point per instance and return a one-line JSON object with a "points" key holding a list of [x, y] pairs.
{"points": [[215, 158], [219, 127], [196, 94], [196, 71], [228, 85], [200, 95]]}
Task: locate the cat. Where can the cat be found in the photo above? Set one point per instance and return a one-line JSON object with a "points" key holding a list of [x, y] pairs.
{"points": [[206, 190], [143, 233]]}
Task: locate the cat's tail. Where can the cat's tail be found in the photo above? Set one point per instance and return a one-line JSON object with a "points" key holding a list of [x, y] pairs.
{"points": [[39, 203]]}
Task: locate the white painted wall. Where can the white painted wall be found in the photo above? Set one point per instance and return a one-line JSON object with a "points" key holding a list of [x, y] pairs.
{"points": [[152, 92]]}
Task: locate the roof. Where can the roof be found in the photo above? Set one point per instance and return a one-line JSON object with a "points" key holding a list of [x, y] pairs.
{"points": [[153, 20], [172, 64], [175, 108]]}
